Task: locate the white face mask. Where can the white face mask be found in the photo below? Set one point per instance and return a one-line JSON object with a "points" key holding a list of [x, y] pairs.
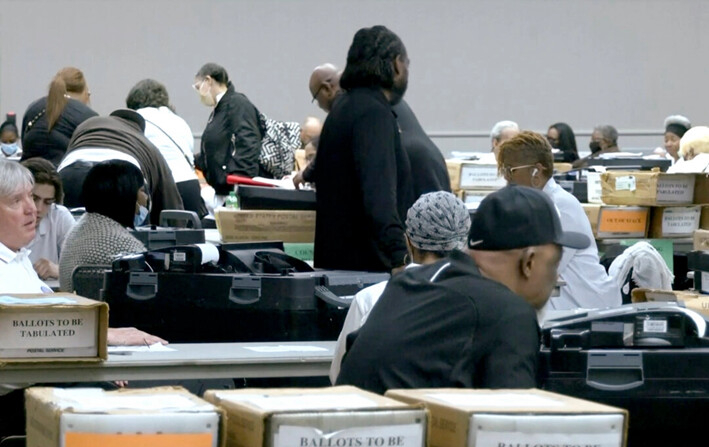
{"points": [[205, 96], [139, 218]]}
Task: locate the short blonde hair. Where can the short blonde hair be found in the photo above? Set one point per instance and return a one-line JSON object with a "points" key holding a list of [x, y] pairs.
{"points": [[694, 141]]}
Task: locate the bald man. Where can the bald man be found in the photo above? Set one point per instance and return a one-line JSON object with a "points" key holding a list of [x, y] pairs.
{"points": [[325, 85], [310, 129]]}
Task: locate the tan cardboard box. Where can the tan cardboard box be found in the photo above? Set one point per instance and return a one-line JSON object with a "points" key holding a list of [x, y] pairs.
{"points": [[623, 222], [472, 197], [60, 327], [465, 174], [647, 188], [674, 221], [158, 417], [593, 212], [318, 417], [701, 239], [511, 418], [701, 189], [265, 225], [691, 299]]}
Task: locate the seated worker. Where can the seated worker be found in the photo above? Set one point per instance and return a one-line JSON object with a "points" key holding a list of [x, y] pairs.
{"points": [[17, 228], [436, 224], [9, 137], [527, 160], [694, 150], [604, 139], [467, 321], [115, 199], [501, 132], [54, 221], [119, 136]]}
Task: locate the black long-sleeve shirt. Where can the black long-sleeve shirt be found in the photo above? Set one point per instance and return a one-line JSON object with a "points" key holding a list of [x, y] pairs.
{"points": [[364, 186], [444, 325], [231, 142], [428, 167]]}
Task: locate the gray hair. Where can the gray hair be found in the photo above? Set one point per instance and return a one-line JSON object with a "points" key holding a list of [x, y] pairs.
{"points": [[438, 222], [500, 126], [13, 176], [608, 132], [147, 93]]}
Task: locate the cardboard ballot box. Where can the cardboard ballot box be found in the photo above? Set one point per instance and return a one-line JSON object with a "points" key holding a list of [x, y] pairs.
{"points": [[265, 225], [622, 222], [56, 327], [701, 239], [512, 418], [472, 197], [647, 188], [156, 417], [474, 175], [674, 221], [318, 417], [698, 302]]}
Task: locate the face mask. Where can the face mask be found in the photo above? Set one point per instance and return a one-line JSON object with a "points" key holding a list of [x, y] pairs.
{"points": [[9, 148], [139, 218], [595, 146], [205, 96]]}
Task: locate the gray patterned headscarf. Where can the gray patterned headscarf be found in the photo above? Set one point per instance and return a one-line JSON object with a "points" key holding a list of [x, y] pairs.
{"points": [[438, 221]]}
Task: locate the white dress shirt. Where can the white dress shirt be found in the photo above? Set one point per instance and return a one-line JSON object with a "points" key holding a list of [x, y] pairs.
{"points": [[50, 235], [588, 286], [18, 276]]}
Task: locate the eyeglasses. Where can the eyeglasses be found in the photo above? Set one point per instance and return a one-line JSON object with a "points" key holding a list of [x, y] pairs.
{"points": [[198, 85], [508, 171], [317, 92]]}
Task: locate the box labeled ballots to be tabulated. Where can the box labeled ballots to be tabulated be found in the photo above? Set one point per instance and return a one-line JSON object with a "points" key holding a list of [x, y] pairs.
{"points": [[52, 327], [514, 418], [474, 175], [647, 188], [342, 416]]}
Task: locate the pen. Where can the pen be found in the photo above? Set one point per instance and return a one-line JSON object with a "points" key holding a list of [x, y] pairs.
{"points": [[120, 353]]}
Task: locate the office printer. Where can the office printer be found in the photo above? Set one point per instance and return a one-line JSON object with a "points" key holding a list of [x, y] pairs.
{"points": [[232, 292]]}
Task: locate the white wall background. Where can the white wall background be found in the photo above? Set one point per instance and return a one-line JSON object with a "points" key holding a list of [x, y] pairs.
{"points": [[628, 63]]}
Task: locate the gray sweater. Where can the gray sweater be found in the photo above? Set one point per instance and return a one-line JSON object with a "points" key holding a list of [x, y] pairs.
{"points": [[94, 240]]}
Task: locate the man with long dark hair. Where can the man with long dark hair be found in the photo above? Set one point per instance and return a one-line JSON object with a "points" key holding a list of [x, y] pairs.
{"points": [[363, 174]]}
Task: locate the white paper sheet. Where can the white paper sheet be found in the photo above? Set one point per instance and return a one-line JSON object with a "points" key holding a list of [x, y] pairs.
{"points": [[9, 300], [157, 347]]}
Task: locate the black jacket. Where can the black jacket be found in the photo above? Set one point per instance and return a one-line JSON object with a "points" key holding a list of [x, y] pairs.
{"points": [[364, 186], [444, 325], [428, 167], [231, 142], [38, 142]]}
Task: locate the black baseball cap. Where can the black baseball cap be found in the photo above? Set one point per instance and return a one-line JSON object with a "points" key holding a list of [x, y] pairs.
{"points": [[517, 217]]}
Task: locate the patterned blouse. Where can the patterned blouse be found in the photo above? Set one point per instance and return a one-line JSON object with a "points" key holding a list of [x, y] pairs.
{"points": [[94, 240]]}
